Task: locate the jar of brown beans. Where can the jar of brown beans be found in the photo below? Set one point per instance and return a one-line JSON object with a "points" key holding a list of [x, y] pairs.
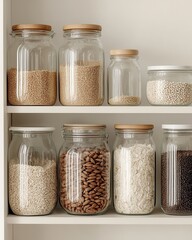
{"points": [[84, 169]]}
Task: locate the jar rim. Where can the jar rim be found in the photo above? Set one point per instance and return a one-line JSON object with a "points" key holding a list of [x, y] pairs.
{"points": [[133, 127], [32, 129], [85, 27], [84, 126], [172, 127], [169, 68], [124, 52], [20, 27]]}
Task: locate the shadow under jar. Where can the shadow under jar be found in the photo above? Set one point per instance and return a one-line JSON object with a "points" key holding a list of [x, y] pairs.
{"points": [[176, 169], [32, 171], [32, 69], [81, 66], [84, 169]]}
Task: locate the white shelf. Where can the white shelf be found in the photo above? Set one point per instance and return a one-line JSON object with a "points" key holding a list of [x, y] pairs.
{"points": [[111, 218], [101, 109]]}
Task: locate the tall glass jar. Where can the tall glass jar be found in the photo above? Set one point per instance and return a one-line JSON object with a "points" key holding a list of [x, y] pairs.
{"points": [[176, 169], [134, 169], [84, 169], [32, 171], [81, 66], [32, 77], [124, 78]]}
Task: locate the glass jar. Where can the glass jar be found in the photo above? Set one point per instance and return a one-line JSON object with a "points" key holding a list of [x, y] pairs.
{"points": [[169, 85], [134, 169], [176, 169], [32, 171], [32, 77], [84, 169], [81, 66], [124, 78]]}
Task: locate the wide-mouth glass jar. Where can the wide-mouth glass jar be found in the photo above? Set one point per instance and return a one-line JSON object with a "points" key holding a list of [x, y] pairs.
{"points": [[134, 169], [169, 85], [84, 169], [176, 169], [32, 171], [32, 66], [124, 78], [81, 66]]}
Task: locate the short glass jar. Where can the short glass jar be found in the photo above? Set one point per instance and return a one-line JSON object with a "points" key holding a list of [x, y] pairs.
{"points": [[176, 169], [169, 85], [32, 171], [32, 77], [124, 78], [134, 169], [84, 169], [81, 66]]}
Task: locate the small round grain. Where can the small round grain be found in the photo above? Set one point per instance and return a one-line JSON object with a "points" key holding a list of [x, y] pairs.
{"points": [[124, 100]]}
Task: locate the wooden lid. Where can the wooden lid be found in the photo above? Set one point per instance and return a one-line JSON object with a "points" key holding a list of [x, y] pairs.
{"points": [[31, 27], [134, 126], [82, 27], [124, 52]]}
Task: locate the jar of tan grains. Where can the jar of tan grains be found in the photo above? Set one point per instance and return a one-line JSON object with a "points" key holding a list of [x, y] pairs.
{"points": [[84, 169], [32, 77], [124, 78], [81, 69]]}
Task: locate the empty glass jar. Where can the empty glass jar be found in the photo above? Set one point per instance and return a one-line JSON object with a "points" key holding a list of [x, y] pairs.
{"points": [[134, 169], [81, 66], [176, 169], [84, 169], [32, 77], [32, 171], [124, 78]]}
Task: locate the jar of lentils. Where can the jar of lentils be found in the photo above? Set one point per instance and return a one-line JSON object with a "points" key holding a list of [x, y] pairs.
{"points": [[32, 171], [169, 85], [124, 78], [84, 169], [81, 66], [32, 77], [134, 169], [176, 169]]}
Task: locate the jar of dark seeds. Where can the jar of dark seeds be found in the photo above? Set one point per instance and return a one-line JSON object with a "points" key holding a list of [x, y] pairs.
{"points": [[84, 170], [124, 78], [176, 169], [32, 77], [81, 66], [32, 171]]}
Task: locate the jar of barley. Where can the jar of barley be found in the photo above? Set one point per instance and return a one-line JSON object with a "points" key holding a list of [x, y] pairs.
{"points": [[32, 171], [32, 77], [81, 66], [84, 169], [169, 85]]}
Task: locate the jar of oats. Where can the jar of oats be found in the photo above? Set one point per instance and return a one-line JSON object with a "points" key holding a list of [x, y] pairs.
{"points": [[124, 78], [134, 169], [81, 66], [32, 177], [32, 77], [169, 85], [84, 169]]}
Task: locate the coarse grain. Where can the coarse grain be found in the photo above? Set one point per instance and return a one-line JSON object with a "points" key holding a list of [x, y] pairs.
{"points": [[163, 92], [38, 87], [81, 84], [32, 188], [134, 179], [85, 180], [176, 182], [125, 100]]}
